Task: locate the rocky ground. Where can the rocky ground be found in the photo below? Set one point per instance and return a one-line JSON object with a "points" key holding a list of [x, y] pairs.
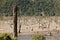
{"points": [[32, 25]]}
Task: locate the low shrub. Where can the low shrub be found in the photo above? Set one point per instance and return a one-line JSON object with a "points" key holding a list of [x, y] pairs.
{"points": [[15, 38], [37, 37], [5, 36]]}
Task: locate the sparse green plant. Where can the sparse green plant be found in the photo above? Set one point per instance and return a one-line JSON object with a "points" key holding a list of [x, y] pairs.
{"points": [[37, 37], [6, 36], [15, 38]]}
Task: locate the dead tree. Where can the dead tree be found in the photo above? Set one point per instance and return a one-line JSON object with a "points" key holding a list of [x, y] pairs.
{"points": [[19, 28], [15, 20], [20, 23]]}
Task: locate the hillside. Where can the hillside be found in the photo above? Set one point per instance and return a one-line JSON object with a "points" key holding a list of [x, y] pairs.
{"points": [[31, 7]]}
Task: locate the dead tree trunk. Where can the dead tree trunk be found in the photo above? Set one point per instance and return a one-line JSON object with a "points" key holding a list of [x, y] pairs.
{"points": [[15, 20], [19, 28], [19, 22]]}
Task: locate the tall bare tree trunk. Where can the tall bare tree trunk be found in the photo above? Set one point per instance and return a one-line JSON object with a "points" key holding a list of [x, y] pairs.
{"points": [[15, 20]]}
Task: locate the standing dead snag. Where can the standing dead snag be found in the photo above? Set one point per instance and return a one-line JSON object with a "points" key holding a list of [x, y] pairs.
{"points": [[20, 23], [15, 20], [19, 28]]}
